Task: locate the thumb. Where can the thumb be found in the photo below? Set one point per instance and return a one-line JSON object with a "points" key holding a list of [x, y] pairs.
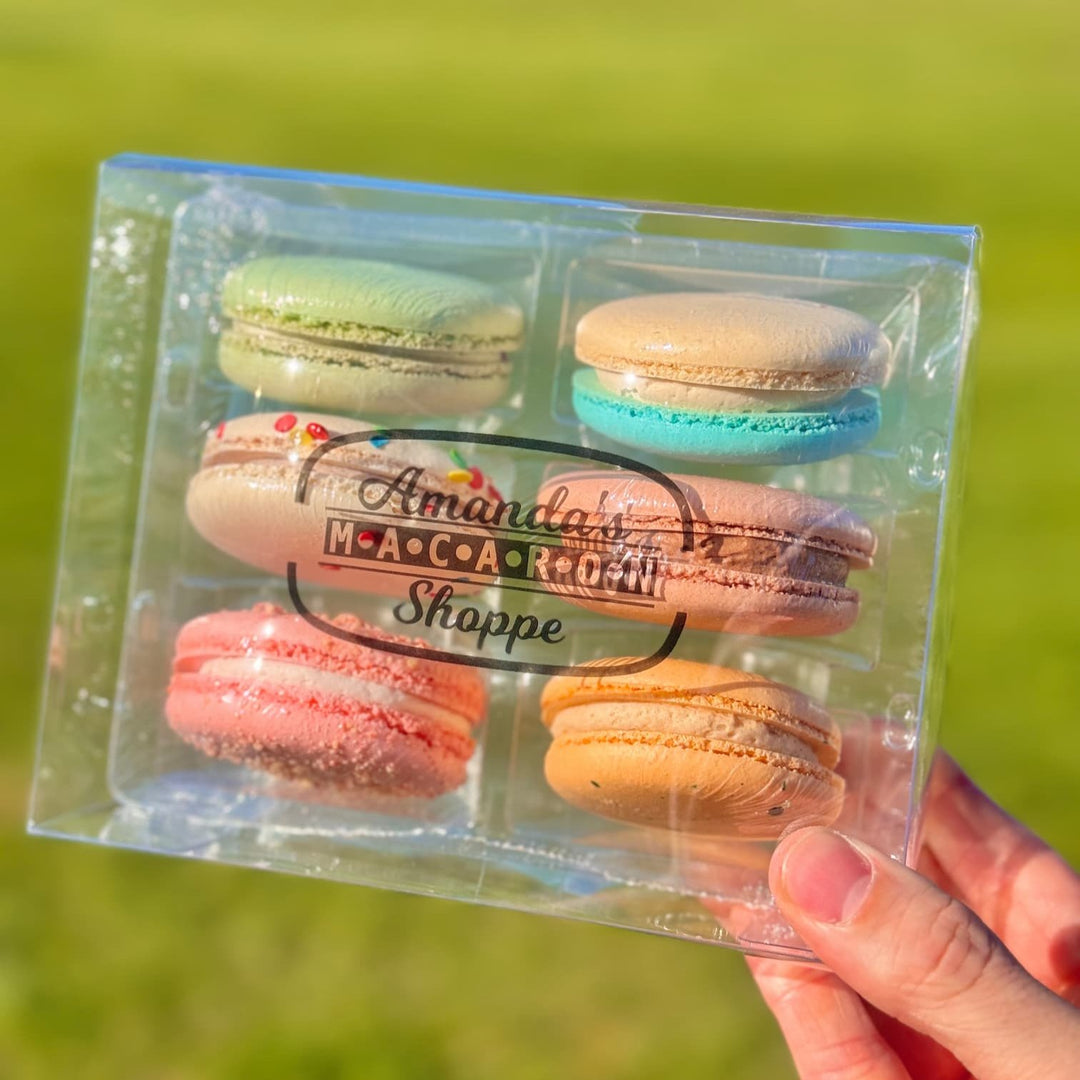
{"points": [[922, 957]]}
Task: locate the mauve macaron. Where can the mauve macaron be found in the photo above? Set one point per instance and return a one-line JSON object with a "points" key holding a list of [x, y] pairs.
{"points": [[266, 689], [693, 748], [243, 499], [369, 336], [763, 560]]}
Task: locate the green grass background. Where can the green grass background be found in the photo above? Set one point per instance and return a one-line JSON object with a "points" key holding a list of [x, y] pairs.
{"points": [[119, 965]]}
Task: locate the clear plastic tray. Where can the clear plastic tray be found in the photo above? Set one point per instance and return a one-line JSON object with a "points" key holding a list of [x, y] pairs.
{"points": [[134, 570]]}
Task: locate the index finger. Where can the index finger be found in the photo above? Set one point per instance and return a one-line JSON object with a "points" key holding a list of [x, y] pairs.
{"points": [[1022, 889]]}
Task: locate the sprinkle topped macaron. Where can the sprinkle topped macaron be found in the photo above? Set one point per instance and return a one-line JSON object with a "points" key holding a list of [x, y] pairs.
{"points": [[244, 498], [375, 337], [694, 748], [266, 689], [732, 377]]}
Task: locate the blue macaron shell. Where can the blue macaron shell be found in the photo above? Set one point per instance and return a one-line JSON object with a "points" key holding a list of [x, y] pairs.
{"points": [[775, 438]]}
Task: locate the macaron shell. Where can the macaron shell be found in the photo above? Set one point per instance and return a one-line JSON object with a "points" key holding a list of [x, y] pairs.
{"points": [[672, 717], [744, 508], [738, 438], [376, 383], [317, 738], [289, 435], [370, 301], [692, 785], [736, 603], [250, 512], [734, 339]]}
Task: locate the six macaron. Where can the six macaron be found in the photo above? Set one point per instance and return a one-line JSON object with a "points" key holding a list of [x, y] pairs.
{"points": [[723, 378]]}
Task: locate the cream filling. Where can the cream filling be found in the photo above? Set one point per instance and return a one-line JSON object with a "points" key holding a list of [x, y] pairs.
{"points": [[669, 718], [685, 395], [277, 340], [305, 678]]}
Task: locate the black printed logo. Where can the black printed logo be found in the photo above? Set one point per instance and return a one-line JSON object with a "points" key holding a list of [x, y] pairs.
{"points": [[470, 561]]}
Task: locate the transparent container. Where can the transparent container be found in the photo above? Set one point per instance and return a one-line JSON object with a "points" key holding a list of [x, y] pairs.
{"points": [[565, 616]]}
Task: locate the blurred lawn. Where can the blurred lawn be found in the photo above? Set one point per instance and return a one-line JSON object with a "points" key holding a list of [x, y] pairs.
{"points": [[117, 965]]}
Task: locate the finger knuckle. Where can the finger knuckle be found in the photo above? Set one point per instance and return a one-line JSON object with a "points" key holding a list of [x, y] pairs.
{"points": [[952, 953]]}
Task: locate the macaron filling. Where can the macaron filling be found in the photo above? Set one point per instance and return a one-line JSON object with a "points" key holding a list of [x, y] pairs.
{"points": [[303, 678], [361, 349], [341, 331], [794, 559], [671, 718], [735, 391], [715, 549]]}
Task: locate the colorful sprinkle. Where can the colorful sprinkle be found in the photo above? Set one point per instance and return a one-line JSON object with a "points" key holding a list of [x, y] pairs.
{"points": [[317, 431], [379, 441], [370, 536], [457, 459], [476, 478], [459, 476], [221, 430], [285, 422], [300, 437]]}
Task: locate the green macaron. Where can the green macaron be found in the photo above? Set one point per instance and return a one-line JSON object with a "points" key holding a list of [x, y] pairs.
{"points": [[366, 336]]}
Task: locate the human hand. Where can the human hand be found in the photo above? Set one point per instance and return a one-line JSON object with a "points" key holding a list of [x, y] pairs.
{"points": [[972, 970]]}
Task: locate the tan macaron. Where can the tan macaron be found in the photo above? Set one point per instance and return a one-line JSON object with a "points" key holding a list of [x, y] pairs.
{"points": [[731, 351], [695, 748]]}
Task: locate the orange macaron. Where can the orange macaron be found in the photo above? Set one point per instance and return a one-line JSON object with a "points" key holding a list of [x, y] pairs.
{"points": [[695, 748]]}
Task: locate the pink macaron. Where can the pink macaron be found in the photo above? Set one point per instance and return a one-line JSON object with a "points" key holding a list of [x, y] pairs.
{"points": [[266, 689], [739, 557], [245, 497]]}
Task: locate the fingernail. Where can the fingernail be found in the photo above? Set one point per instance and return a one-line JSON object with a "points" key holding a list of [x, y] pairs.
{"points": [[824, 875]]}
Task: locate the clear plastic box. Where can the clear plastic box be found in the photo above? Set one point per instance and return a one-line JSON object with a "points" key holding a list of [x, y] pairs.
{"points": [[114, 767]]}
